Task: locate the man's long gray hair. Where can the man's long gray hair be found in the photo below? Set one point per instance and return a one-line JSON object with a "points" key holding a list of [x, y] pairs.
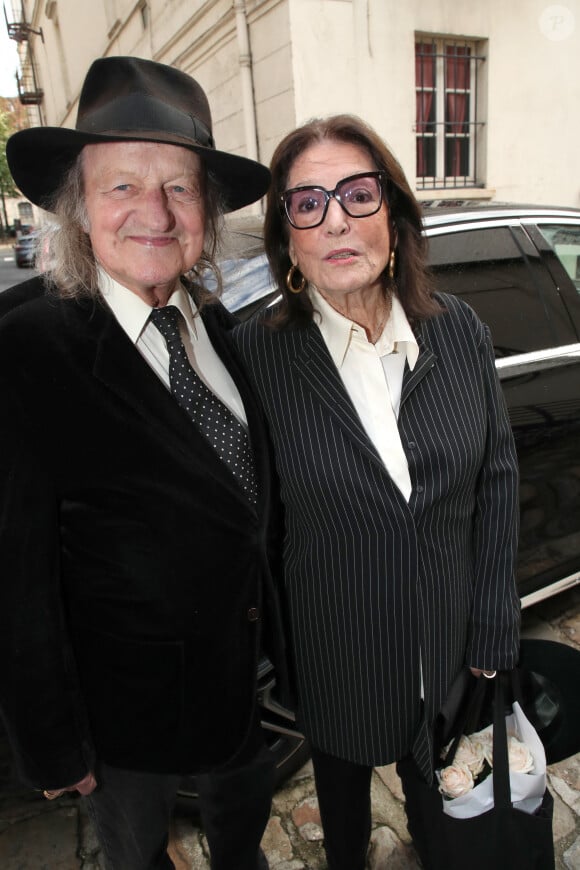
{"points": [[66, 253]]}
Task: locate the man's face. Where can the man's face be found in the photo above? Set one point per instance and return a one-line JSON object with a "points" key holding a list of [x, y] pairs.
{"points": [[146, 215]]}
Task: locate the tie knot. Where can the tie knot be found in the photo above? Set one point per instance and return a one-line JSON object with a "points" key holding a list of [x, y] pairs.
{"points": [[167, 322]]}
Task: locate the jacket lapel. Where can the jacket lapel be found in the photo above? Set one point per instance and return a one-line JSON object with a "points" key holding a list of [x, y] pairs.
{"points": [[119, 365], [122, 369], [317, 369], [425, 362]]}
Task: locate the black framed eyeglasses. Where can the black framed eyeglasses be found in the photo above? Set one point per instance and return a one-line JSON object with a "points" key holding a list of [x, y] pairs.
{"points": [[359, 195]]}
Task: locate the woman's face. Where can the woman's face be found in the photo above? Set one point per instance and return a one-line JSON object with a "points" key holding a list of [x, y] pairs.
{"points": [[343, 254]]}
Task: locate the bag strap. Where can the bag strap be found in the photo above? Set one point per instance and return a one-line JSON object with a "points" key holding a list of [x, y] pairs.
{"points": [[505, 688], [469, 716]]}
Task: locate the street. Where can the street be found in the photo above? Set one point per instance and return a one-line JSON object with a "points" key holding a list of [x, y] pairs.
{"points": [[9, 272]]}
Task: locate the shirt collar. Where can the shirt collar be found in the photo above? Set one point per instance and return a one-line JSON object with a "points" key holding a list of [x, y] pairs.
{"points": [[133, 312], [337, 331], [398, 337]]}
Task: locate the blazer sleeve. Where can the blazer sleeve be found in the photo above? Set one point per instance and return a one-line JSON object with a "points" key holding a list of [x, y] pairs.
{"points": [[39, 697], [494, 640]]}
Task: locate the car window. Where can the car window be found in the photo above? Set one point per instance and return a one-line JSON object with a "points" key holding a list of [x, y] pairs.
{"points": [[497, 271], [245, 281], [565, 240]]}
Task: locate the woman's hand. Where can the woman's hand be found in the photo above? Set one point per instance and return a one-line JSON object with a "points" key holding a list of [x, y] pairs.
{"points": [[477, 672]]}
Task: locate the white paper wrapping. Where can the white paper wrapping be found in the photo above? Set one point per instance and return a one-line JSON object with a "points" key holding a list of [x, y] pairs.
{"points": [[527, 789]]}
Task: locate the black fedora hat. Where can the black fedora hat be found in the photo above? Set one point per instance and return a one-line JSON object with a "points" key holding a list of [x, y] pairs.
{"points": [[550, 678], [129, 98]]}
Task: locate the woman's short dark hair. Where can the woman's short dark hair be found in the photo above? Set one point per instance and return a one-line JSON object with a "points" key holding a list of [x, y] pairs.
{"points": [[411, 274], [67, 256]]}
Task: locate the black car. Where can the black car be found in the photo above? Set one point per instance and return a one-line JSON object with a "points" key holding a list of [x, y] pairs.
{"points": [[519, 268], [25, 250]]}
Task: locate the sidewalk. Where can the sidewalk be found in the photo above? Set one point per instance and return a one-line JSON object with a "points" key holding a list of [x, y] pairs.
{"points": [[36, 834]]}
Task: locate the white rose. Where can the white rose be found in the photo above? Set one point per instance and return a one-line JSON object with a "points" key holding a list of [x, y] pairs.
{"points": [[484, 740], [455, 780], [521, 759], [470, 753]]}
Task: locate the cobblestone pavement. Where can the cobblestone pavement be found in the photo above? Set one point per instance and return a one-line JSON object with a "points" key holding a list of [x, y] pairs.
{"points": [[38, 835]]}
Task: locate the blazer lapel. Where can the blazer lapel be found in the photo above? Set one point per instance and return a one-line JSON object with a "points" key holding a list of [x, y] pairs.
{"points": [[318, 371], [316, 367], [120, 366], [425, 362]]}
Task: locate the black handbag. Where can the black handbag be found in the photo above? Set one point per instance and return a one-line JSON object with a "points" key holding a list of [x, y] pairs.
{"points": [[504, 837]]}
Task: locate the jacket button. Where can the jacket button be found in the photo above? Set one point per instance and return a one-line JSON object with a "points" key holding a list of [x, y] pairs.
{"points": [[412, 445], [253, 614], [419, 488]]}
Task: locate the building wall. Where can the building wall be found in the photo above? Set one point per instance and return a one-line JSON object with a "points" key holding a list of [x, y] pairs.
{"points": [[316, 57]]}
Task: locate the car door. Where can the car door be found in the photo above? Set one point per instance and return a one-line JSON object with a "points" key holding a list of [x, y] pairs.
{"points": [[510, 274]]}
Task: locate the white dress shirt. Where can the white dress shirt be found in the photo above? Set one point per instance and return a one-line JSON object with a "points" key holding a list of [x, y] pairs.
{"points": [[373, 376], [132, 313]]}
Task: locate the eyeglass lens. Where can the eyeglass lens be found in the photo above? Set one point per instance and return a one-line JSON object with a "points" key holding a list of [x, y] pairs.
{"points": [[359, 196]]}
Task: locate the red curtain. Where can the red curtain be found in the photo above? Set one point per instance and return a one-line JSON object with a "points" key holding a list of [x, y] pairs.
{"points": [[457, 78], [424, 84]]}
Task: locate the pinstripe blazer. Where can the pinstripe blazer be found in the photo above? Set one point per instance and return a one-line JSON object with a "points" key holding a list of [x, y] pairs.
{"points": [[379, 590]]}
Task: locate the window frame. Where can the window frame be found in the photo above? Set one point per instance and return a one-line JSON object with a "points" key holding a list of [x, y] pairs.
{"points": [[448, 55]]}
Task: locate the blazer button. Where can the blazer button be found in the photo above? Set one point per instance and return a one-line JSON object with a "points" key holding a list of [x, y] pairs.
{"points": [[419, 488], [253, 614]]}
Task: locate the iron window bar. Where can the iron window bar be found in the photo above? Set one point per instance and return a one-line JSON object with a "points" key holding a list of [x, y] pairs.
{"points": [[436, 138]]}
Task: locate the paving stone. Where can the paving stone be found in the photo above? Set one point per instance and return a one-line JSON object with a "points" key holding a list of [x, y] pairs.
{"points": [[571, 856], [287, 798], [387, 852], [47, 841], [306, 817], [305, 772], [276, 843], [569, 795], [564, 822], [185, 848], [389, 776], [289, 865], [386, 810], [569, 771]]}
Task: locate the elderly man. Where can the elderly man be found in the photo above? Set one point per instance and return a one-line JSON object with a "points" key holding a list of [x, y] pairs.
{"points": [[135, 530]]}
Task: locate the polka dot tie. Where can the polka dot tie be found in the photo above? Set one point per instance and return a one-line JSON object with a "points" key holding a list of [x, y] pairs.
{"points": [[216, 422]]}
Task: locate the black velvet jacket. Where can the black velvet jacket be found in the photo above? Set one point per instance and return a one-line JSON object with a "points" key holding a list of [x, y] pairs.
{"points": [[133, 570]]}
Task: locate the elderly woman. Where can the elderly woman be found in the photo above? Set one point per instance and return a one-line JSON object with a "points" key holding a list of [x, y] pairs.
{"points": [[397, 467]]}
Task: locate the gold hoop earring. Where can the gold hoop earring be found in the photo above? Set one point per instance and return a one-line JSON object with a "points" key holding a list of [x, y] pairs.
{"points": [[290, 279], [392, 265]]}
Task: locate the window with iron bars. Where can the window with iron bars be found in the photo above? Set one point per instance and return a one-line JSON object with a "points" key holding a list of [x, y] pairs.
{"points": [[447, 126]]}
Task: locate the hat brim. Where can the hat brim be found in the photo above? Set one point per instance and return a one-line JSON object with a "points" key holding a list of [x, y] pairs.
{"points": [[556, 705], [549, 676], [39, 157]]}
